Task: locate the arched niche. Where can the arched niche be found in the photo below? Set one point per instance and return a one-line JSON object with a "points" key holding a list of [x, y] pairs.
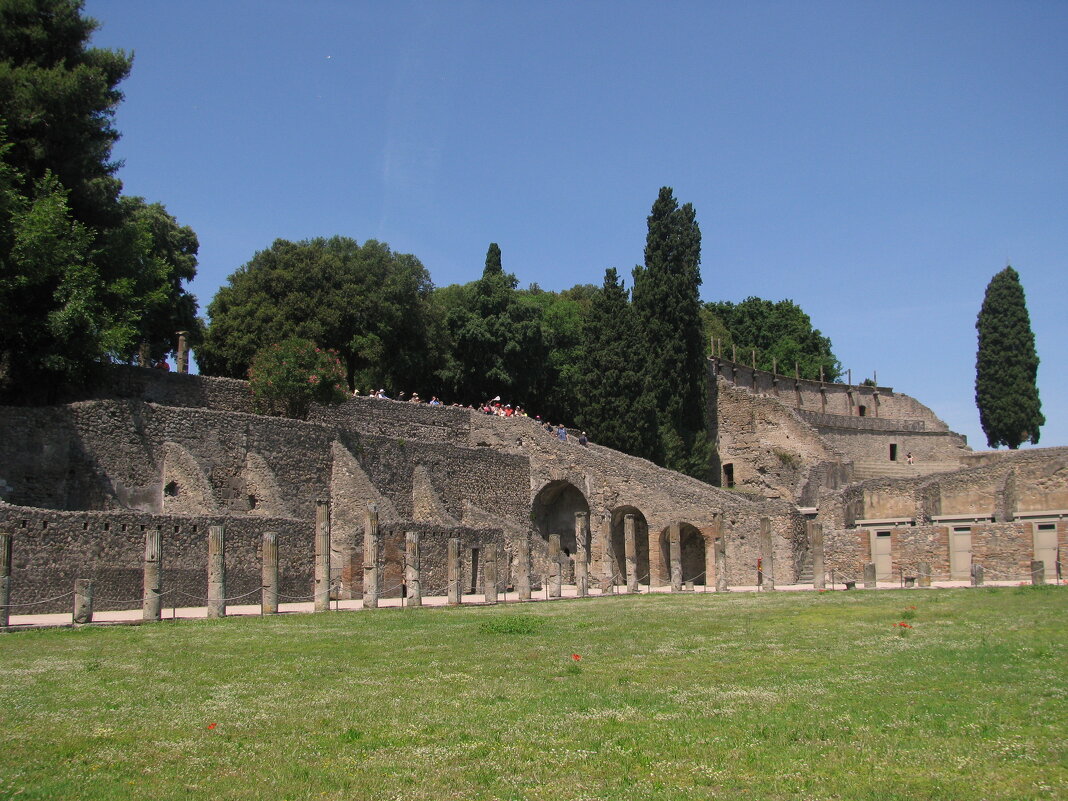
{"points": [[693, 549], [553, 512], [617, 544]]}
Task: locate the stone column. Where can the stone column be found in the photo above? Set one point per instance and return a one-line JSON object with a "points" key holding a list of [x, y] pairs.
{"points": [[489, 572], [216, 571], [977, 575], [554, 566], [412, 575], [182, 359], [5, 578], [869, 576], [815, 543], [675, 556], [582, 568], [630, 552], [322, 556], [455, 590], [522, 567], [153, 575], [719, 545], [83, 600], [371, 579], [1038, 571], [269, 561], [767, 553], [923, 573], [607, 572]]}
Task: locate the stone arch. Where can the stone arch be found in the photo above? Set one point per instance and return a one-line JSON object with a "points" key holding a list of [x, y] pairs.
{"points": [[553, 512], [617, 544], [264, 494], [186, 489], [694, 553]]}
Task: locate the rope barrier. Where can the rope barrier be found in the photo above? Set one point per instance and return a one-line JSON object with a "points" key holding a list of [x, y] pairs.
{"points": [[39, 603]]}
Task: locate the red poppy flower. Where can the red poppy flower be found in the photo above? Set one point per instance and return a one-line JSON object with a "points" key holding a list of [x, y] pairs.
{"points": [[212, 725], [576, 657]]}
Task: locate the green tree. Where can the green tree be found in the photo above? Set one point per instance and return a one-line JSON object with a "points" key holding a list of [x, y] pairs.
{"points": [[288, 376], [780, 333], [668, 312], [614, 408], [85, 275], [1006, 365], [365, 301]]}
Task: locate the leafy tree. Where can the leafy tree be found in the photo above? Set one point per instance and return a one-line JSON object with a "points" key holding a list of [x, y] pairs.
{"points": [[668, 311], [1006, 366], [85, 274], [286, 377], [613, 404], [781, 333], [365, 301]]}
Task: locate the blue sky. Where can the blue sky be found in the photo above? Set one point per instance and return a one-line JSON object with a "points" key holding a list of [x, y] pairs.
{"points": [[877, 163]]}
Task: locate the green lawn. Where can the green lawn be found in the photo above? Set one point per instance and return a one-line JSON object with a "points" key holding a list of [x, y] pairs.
{"points": [[788, 695]]}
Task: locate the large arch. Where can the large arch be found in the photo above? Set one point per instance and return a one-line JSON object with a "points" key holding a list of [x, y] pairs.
{"points": [[693, 549], [617, 545], [553, 512]]}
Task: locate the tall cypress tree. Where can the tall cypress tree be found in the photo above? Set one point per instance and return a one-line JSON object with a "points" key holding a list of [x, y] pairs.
{"points": [[668, 312], [614, 406], [1006, 365]]}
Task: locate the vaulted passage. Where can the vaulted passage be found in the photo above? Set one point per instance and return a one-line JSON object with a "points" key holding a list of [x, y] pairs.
{"points": [[692, 547], [618, 545], [553, 512]]}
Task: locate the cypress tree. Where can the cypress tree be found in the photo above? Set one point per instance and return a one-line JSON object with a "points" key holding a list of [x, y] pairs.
{"points": [[615, 410], [1006, 365], [668, 311]]}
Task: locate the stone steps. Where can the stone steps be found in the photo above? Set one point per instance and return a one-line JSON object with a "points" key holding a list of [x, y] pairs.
{"points": [[864, 470]]}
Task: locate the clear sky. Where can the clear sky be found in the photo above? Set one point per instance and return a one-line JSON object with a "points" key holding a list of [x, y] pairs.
{"points": [[877, 163]]}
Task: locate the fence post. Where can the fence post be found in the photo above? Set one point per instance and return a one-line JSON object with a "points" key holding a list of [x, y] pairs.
{"points": [[153, 575], [977, 575], [924, 574], [5, 578], [630, 552], [555, 579], [719, 544], [371, 580], [675, 556], [455, 591], [1038, 571], [83, 600], [269, 558], [322, 556], [412, 569], [815, 542], [582, 569], [216, 572], [522, 567], [489, 572], [869, 576]]}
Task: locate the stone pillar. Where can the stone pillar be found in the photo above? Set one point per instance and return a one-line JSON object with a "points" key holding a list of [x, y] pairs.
{"points": [[554, 566], [83, 600], [489, 572], [767, 553], [869, 576], [675, 556], [322, 556], [5, 578], [153, 575], [582, 568], [522, 567], [630, 552], [412, 573], [815, 544], [216, 571], [371, 588], [977, 575], [923, 573], [1038, 571], [269, 561], [455, 590], [182, 360], [719, 545]]}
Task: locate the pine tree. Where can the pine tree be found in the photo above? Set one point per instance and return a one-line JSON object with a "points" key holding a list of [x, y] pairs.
{"points": [[615, 410], [669, 318], [1006, 365]]}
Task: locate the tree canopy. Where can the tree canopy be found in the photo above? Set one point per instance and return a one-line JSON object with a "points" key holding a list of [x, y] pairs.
{"points": [[364, 301], [780, 332], [86, 275], [1006, 365]]}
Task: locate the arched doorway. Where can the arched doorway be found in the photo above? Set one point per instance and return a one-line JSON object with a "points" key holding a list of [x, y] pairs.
{"points": [[553, 512], [617, 545], [692, 546]]}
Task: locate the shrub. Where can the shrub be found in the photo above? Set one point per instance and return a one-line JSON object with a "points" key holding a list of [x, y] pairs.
{"points": [[288, 376]]}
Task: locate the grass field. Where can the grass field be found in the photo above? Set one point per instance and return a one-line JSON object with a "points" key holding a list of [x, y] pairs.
{"points": [[775, 696]]}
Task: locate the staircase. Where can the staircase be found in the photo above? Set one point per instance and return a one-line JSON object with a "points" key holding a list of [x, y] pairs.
{"points": [[863, 470], [804, 575]]}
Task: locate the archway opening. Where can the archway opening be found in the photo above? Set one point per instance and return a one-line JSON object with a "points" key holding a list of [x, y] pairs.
{"points": [[553, 512], [617, 545], [692, 547]]}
